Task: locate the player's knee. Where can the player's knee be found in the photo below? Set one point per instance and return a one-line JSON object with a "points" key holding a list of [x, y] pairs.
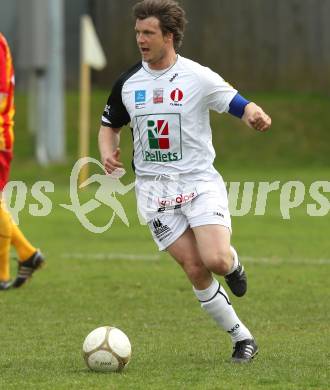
{"points": [[219, 262]]}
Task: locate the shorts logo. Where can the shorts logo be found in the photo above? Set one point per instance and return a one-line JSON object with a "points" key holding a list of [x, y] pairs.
{"points": [[158, 96], [156, 224], [175, 202], [176, 95], [158, 134], [161, 231]]}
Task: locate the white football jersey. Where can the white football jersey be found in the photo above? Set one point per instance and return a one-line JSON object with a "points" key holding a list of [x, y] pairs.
{"points": [[168, 112]]}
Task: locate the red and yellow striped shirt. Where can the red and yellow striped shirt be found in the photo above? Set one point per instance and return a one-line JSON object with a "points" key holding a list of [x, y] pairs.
{"points": [[7, 107]]}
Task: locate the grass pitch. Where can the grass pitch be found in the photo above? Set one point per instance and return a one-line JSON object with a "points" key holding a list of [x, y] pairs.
{"points": [[119, 278]]}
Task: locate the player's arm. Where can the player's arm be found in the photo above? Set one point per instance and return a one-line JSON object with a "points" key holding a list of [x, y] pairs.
{"points": [[222, 97], [251, 114], [255, 117], [114, 117], [109, 139]]}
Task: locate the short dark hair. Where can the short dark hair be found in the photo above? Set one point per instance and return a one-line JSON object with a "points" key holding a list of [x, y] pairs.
{"points": [[172, 18]]}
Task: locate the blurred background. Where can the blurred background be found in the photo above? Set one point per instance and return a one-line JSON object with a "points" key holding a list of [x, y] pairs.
{"points": [[275, 52], [258, 44]]}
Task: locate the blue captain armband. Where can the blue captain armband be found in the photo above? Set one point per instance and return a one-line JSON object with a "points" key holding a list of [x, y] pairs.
{"points": [[237, 105]]}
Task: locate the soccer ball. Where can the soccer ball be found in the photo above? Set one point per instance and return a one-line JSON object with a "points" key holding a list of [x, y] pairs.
{"points": [[107, 349]]}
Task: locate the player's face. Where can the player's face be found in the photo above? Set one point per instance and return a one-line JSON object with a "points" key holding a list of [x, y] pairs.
{"points": [[155, 47]]}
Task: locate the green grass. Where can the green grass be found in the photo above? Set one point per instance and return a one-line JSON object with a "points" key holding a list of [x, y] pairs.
{"points": [[90, 279], [88, 283]]}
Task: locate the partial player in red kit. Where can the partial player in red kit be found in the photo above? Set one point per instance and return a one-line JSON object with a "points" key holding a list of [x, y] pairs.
{"points": [[30, 258]]}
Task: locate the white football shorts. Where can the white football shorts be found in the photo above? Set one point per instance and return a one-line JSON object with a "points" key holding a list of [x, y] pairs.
{"points": [[170, 207]]}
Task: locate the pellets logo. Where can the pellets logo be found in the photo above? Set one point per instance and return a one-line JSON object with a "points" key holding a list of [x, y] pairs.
{"points": [[158, 134], [158, 138]]}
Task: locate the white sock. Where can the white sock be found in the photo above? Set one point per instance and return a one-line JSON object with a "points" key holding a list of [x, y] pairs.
{"points": [[235, 262], [215, 302]]}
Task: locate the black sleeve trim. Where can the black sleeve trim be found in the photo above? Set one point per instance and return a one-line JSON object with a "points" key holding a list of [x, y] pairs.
{"points": [[115, 114]]}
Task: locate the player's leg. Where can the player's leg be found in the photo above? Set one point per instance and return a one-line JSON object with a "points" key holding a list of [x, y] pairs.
{"points": [[212, 295], [5, 223], [5, 236], [30, 259], [171, 232], [184, 250], [23, 247], [213, 242], [210, 220], [209, 216]]}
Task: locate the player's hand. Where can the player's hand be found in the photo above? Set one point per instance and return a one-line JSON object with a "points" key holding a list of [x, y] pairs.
{"points": [[112, 162], [255, 117]]}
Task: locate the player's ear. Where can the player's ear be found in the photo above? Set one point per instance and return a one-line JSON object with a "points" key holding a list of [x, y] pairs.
{"points": [[168, 37]]}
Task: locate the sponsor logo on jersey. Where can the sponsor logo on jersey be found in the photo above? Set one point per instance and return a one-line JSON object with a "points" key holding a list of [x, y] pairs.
{"points": [[176, 97], [158, 134], [160, 157], [140, 98], [158, 96], [158, 137], [174, 77]]}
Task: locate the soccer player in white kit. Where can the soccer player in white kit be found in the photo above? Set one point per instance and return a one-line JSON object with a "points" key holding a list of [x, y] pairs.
{"points": [[166, 99]]}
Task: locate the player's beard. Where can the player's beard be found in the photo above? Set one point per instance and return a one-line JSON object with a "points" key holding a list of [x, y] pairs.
{"points": [[155, 58]]}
